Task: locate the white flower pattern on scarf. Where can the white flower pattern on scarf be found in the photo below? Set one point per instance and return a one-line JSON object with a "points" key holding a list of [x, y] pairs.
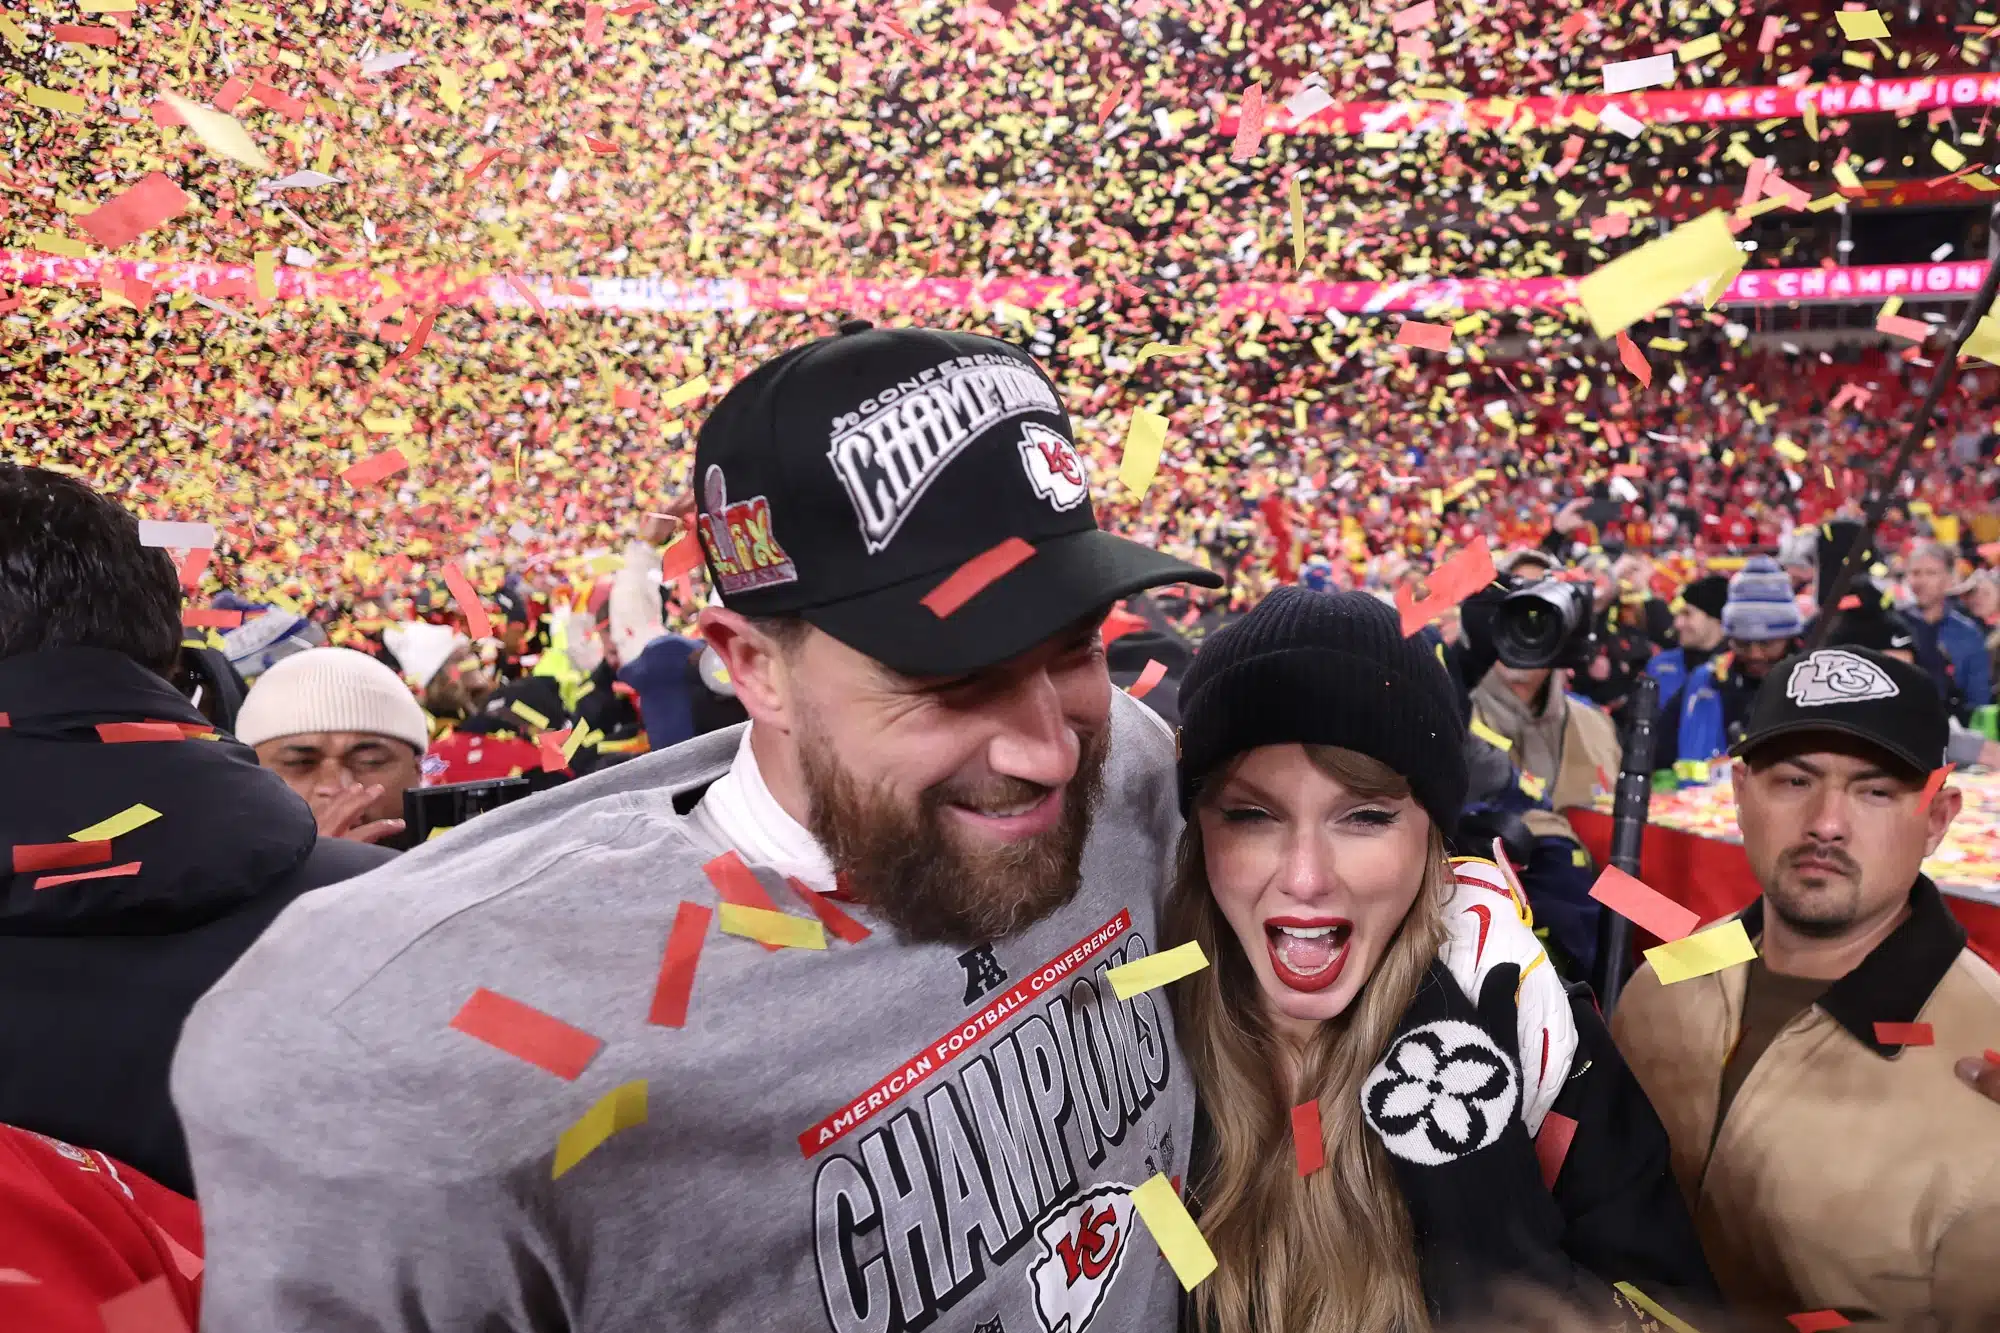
{"points": [[1444, 1090]]}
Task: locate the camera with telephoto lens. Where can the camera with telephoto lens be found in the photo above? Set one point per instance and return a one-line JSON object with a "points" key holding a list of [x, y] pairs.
{"points": [[1547, 624]]}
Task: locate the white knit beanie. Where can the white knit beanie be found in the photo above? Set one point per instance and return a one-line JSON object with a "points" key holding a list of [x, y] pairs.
{"points": [[331, 689]]}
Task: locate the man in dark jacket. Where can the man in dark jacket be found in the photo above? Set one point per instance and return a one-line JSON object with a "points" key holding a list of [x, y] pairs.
{"points": [[141, 851]]}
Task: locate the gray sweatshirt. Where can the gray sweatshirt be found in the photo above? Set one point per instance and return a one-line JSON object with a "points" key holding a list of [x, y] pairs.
{"points": [[876, 1137]]}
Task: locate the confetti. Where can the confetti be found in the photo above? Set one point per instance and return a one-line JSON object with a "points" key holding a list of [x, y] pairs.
{"points": [[1634, 285], [1435, 337], [378, 467], [1901, 326], [976, 575], [134, 213], [1634, 360], [1817, 1321], [178, 535], [128, 820], [1904, 1034], [736, 883], [1933, 785], [1702, 953], [1646, 1303], [1858, 25], [33, 856], [1308, 1138], [1154, 672], [1946, 156], [1552, 1145], [123, 733], [683, 394], [622, 1108], [1249, 126], [676, 984], [151, 1306], [1156, 970], [527, 1034], [838, 923], [1467, 572], [1631, 75], [1179, 1239], [219, 132], [1643, 905], [1490, 736], [124, 871], [779, 928], [203, 618], [50, 100], [477, 621]]}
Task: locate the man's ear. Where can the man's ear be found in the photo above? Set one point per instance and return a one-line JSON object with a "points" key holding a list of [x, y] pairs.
{"points": [[756, 664], [1944, 808]]}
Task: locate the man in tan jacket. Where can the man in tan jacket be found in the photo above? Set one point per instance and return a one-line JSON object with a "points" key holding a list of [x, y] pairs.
{"points": [[1831, 1157]]}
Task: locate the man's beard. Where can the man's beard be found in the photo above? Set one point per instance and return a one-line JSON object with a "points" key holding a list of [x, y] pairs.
{"points": [[907, 866], [1828, 913]]}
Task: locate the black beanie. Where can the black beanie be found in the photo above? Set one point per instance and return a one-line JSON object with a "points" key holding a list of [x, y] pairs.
{"points": [[1708, 594], [1326, 668]]}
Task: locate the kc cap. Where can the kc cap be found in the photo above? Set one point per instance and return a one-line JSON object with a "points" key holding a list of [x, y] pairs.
{"points": [[1858, 692], [844, 480]]}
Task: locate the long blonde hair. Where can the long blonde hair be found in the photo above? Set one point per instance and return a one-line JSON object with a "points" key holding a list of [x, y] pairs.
{"points": [[1333, 1252]]}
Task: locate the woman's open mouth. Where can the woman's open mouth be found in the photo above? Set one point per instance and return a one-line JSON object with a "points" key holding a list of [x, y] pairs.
{"points": [[1307, 953]]}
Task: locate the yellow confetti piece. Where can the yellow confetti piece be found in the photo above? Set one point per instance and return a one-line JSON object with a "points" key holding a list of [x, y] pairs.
{"points": [[1844, 174], [385, 425], [451, 90], [107, 6], [790, 932], [1156, 970], [1179, 1239], [685, 393], [1985, 341], [624, 1107], [1653, 1308], [1946, 156], [1533, 786], [1151, 350], [1084, 346], [1298, 203], [15, 37], [1858, 25], [1858, 59], [1889, 307], [1785, 449], [58, 245], [1634, 285], [1144, 440], [1700, 47], [267, 275], [1490, 736], [1701, 953], [1667, 344], [51, 100], [221, 134], [1980, 183], [528, 714], [120, 824]]}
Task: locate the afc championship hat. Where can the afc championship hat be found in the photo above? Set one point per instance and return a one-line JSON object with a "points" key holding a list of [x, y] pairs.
{"points": [[1883, 700], [843, 481]]}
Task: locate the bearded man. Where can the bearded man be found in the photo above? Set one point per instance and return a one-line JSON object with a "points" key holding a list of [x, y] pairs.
{"points": [[799, 1025]]}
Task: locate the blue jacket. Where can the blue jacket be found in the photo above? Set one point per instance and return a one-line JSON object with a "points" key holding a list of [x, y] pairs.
{"points": [[1700, 713], [1958, 640], [666, 699]]}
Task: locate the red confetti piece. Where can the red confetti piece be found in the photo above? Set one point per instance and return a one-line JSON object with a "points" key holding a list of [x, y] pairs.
{"points": [[14, 1277], [117, 733], [192, 567], [291, 108], [124, 871], [1552, 1145], [1414, 333], [1249, 126], [371, 470], [1903, 1034], [680, 559], [134, 213], [1416, 16], [476, 620], [229, 94], [1902, 326], [1815, 1321], [736, 883], [1634, 360], [80, 35], [551, 745], [1933, 785], [31, 856], [1308, 1139], [423, 331], [148, 1308], [1631, 470], [676, 984], [1643, 905], [198, 617], [1155, 672], [526, 1033], [973, 577], [836, 921], [1455, 580], [1850, 602], [593, 24]]}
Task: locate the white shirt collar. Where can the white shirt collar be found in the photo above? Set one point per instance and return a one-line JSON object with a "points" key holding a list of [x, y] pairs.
{"points": [[739, 811]]}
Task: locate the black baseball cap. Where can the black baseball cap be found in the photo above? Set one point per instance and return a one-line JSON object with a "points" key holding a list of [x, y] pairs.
{"points": [[844, 480], [1890, 703]]}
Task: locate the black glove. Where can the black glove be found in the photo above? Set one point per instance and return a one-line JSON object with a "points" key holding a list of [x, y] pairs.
{"points": [[1445, 1101]]}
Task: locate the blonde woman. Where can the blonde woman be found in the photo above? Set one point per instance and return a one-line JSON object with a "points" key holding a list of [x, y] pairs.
{"points": [[1476, 1123]]}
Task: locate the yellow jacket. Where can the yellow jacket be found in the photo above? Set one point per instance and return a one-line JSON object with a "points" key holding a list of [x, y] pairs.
{"points": [[1848, 1175]]}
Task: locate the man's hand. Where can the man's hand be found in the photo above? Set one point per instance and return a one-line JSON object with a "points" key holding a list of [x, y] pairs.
{"points": [[1982, 1076], [658, 529], [1570, 517], [336, 817]]}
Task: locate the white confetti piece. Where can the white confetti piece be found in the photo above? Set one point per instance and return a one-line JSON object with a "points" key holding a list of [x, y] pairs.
{"points": [[178, 536], [1630, 75], [1611, 118]]}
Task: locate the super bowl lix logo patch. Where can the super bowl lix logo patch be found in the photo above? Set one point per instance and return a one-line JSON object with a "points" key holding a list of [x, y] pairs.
{"points": [[738, 539]]}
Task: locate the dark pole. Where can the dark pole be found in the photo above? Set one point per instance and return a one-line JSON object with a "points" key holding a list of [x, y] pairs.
{"points": [[1886, 483], [1628, 830]]}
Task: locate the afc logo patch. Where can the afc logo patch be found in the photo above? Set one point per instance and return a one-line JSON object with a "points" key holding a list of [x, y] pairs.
{"points": [[983, 972]]}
